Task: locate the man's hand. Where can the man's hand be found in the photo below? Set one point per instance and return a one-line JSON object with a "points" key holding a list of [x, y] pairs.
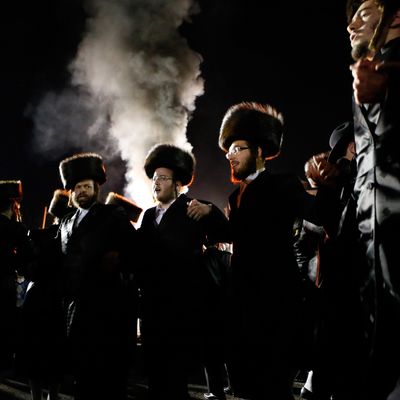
{"points": [[197, 210], [322, 172], [370, 79]]}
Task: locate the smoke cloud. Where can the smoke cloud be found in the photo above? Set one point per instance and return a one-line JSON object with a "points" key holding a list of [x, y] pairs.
{"points": [[134, 82]]}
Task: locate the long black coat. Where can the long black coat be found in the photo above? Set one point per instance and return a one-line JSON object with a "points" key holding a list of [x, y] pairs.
{"points": [[377, 193], [15, 255], [96, 257], [41, 353], [173, 277], [267, 284]]}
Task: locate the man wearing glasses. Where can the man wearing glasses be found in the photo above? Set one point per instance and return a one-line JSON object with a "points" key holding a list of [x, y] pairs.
{"points": [[267, 305], [174, 280]]}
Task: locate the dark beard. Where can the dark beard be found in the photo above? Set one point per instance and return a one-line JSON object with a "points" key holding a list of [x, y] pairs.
{"points": [[248, 168], [359, 51], [85, 203]]}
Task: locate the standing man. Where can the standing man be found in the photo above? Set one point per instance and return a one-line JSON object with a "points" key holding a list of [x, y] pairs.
{"points": [[267, 284], [15, 253], [338, 342], [174, 284], [98, 245], [374, 29]]}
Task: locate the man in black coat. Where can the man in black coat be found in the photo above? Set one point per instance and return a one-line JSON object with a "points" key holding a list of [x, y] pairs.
{"points": [[267, 284], [98, 244], [374, 30], [174, 280], [15, 255]]}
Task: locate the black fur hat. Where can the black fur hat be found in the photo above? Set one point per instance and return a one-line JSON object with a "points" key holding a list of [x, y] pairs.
{"points": [[339, 139], [59, 205], [11, 190], [132, 209], [180, 161], [259, 124], [80, 167]]}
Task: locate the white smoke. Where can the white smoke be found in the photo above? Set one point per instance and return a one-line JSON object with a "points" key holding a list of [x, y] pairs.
{"points": [[137, 82]]}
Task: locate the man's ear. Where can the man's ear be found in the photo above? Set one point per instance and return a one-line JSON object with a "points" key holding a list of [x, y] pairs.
{"points": [[178, 185], [351, 150]]}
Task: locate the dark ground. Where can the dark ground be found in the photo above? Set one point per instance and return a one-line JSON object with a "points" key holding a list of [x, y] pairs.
{"points": [[17, 388]]}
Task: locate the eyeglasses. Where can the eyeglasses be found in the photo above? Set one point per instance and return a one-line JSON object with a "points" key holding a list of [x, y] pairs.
{"points": [[161, 178], [235, 150]]}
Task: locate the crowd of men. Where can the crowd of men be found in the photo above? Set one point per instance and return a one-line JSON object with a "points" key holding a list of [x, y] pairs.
{"points": [[312, 283]]}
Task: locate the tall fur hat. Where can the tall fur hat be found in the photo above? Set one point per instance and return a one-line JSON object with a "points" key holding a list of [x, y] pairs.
{"points": [[180, 161], [59, 205], [80, 167], [259, 124], [132, 209], [340, 137], [11, 190]]}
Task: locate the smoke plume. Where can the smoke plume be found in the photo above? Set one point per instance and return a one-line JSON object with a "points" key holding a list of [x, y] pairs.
{"points": [[134, 82]]}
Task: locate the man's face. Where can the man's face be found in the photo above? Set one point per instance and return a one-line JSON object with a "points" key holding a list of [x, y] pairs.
{"points": [[164, 186], [242, 160], [84, 194], [361, 28]]}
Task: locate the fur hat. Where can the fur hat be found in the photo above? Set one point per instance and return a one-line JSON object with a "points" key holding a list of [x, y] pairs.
{"points": [[339, 140], [11, 190], [132, 209], [259, 124], [180, 161], [80, 167], [59, 205]]}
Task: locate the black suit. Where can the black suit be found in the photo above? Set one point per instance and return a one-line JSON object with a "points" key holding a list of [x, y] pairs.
{"points": [[96, 256], [377, 194], [173, 289], [267, 285], [15, 255]]}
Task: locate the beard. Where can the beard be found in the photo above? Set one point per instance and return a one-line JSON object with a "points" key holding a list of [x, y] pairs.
{"points": [[359, 51], [84, 201], [246, 168]]}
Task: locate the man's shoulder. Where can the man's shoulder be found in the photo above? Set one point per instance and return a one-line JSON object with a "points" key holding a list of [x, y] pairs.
{"points": [[279, 178]]}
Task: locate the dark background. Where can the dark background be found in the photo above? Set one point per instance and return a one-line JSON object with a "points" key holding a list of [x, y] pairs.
{"points": [[291, 55]]}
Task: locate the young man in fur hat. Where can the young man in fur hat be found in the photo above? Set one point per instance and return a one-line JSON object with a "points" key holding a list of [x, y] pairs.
{"points": [[98, 245], [267, 284], [15, 255], [174, 283], [374, 29]]}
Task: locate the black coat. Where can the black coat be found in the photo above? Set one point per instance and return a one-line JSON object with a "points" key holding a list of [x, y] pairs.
{"points": [[267, 283], [15, 255], [377, 213], [173, 275], [96, 257]]}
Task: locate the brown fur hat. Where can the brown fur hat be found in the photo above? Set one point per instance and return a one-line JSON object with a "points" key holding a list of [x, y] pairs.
{"points": [[259, 124], [59, 205], [11, 190], [132, 209], [180, 161], [80, 167]]}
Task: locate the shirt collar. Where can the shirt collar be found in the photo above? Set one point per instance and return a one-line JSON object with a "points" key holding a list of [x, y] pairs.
{"points": [[254, 175]]}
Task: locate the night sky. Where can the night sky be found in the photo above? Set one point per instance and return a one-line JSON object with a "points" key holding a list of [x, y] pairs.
{"points": [[291, 55]]}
